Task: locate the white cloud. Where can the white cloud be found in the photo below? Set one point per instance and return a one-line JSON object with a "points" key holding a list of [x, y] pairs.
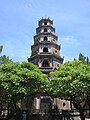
{"points": [[69, 41], [28, 3], [8, 49], [70, 47]]}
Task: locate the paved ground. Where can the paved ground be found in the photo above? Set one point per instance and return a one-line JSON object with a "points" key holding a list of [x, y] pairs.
{"points": [[78, 118]]}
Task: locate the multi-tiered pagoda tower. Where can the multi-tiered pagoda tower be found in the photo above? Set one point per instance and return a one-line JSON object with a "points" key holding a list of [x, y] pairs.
{"points": [[45, 51]]}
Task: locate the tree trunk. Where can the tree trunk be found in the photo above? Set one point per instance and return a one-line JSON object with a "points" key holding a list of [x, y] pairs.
{"points": [[82, 114], [14, 104], [78, 106], [89, 110], [31, 103]]}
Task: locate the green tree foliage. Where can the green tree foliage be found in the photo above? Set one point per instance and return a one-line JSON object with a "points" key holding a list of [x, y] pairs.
{"points": [[83, 58], [1, 47], [72, 80], [4, 58], [19, 80]]}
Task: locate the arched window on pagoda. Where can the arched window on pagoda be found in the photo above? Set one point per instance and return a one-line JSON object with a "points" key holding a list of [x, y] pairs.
{"points": [[45, 63], [45, 49], [45, 38], [45, 30], [45, 23]]}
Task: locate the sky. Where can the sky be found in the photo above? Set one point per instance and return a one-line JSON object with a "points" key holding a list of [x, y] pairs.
{"points": [[19, 20]]}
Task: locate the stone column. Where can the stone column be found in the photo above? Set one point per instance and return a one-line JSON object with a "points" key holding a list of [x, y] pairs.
{"points": [[37, 103]]}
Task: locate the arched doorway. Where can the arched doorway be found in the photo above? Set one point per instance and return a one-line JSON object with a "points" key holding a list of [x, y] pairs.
{"points": [[45, 49], [45, 23], [45, 63], [45, 30], [45, 103], [45, 38]]}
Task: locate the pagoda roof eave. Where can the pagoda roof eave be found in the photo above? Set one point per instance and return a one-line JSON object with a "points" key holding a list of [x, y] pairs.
{"points": [[47, 43], [45, 55], [46, 33], [45, 26]]}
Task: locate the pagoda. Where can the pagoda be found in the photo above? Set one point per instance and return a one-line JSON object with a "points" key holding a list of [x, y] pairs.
{"points": [[45, 53]]}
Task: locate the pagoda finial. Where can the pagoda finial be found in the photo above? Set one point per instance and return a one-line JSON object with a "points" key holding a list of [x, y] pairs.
{"points": [[45, 17]]}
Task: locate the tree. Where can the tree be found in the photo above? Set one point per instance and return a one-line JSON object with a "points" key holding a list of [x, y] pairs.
{"points": [[1, 47], [4, 58], [21, 80], [72, 80], [83, 58]]}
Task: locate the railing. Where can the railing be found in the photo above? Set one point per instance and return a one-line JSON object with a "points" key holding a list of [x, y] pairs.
{"points": [[46, 69], [57, 111], [45, 53]]}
